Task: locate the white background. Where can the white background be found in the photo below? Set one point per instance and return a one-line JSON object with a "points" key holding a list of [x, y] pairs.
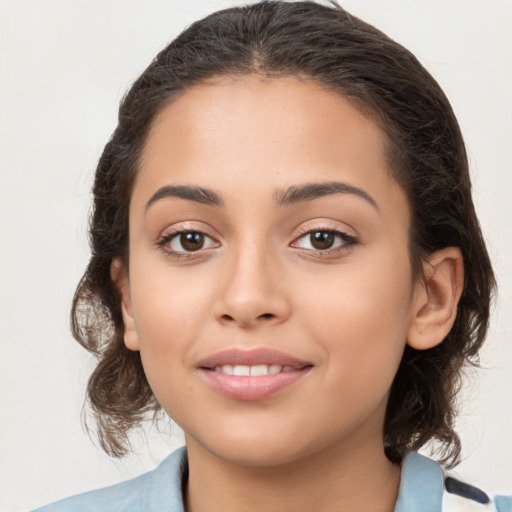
{"points": [[64, 65]]}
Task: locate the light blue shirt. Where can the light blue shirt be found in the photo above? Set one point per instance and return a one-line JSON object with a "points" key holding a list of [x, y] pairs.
{"points": [[422, 489]]}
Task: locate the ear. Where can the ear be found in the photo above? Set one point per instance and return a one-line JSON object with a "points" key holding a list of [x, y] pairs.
{"points": [[119, 276], [436, 299]]}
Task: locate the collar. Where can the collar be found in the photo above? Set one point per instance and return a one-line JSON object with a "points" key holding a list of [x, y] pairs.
{"points": [[421, 485], [166, 487]]}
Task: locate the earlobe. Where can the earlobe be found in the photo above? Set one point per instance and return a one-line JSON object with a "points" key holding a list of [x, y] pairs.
{"points": [[119, 277], [436, 299]]}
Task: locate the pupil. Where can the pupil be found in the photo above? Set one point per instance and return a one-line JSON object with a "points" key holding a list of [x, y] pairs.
{"points": [[322, 239], [192, 241]]}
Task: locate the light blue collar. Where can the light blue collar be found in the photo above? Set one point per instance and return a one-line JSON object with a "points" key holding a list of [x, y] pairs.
{"points": [[166, 487], [421, 485]]}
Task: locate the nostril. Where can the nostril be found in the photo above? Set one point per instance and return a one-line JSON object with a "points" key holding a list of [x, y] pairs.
{"points": [[248, 320]]}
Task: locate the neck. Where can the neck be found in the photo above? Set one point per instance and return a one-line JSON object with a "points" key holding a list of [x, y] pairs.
{"points": [[333, 479]]}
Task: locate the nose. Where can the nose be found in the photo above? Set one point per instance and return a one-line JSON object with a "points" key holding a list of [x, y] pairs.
{"points": [[252, 292]]}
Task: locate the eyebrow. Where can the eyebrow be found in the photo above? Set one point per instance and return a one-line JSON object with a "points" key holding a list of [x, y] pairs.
{"points": [[188, 192], [310, 191], [292, 195]]}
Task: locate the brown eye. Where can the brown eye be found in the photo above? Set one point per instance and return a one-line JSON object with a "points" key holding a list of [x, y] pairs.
{"points": [[327, 240], [192, 240], [322, 239], [183, 242]]}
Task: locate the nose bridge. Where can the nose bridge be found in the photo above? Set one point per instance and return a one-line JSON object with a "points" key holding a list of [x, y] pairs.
{"points": [[252, 292]]}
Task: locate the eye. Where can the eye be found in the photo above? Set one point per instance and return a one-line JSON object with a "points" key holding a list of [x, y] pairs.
{"points": [[180, 243], [324, 240]]}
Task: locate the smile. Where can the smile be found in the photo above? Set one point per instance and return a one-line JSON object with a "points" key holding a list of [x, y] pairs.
{"points": [[253, 371], [251, 375]]}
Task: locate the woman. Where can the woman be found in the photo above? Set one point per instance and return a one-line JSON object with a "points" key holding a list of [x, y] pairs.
{"points": [[286, 259]]}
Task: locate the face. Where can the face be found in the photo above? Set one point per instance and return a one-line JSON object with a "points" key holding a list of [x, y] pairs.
{"points": [[269, 289]]}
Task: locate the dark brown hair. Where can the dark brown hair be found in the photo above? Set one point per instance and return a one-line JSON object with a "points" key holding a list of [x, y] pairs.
{"points": [[427, 157]]}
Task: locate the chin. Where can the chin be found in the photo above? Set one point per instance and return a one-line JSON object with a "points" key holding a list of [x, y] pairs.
{"points": [[256, 448]]}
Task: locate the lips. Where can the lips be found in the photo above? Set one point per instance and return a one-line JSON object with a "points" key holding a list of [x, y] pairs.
{"points": [[251, 375], [252, 358]]}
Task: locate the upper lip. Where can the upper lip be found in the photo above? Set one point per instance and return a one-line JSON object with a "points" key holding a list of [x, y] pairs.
{"points": [[235, 356]]}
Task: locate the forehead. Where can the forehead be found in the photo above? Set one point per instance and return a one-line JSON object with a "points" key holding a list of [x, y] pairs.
{"points": [[253, 112], [251, 133]]}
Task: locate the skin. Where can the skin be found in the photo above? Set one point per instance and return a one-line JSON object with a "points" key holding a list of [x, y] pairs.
{"points": [[259, 282]]}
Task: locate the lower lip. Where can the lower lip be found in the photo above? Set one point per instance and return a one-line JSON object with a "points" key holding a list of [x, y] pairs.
{"points": [[249, 388]]}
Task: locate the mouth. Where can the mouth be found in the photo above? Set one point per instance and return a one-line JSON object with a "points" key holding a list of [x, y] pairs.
{"points": [[252, 371], [252, 375]]}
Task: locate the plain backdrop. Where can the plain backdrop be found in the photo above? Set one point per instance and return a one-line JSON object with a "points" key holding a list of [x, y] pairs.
{"points": [[64, 65]]}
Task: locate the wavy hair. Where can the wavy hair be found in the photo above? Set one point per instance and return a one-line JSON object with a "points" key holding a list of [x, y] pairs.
{"points": [[329, 46]]}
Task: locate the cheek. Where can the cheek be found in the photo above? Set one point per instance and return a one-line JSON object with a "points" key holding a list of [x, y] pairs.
{"points": [[170, 312], [168, 305], [359, 316], [165, 320]]}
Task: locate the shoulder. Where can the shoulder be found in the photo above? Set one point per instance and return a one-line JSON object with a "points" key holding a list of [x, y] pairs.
{"points": [[425, 486], [154, 491]]}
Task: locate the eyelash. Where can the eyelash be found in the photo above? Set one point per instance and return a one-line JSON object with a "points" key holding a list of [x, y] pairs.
{"points": [[166, 239], [348, 242]]}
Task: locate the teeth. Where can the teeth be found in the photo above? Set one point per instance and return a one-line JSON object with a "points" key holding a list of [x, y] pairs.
{"points": [[254, 371], [241, 371], [261, 369], [273, 369]]}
